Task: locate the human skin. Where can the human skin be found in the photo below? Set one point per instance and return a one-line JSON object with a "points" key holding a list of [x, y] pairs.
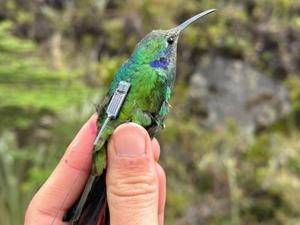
{"points": [[136, 183]]}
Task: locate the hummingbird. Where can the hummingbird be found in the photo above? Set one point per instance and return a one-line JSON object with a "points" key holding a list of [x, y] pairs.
{"points": [[140, 92]]}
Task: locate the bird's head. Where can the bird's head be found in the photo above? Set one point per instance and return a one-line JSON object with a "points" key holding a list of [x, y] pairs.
{"points": [[158, 48]]}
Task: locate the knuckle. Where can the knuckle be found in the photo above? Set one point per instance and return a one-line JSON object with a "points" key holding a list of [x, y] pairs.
{"points": [[132, 182], [138, 190], [133, 185], [38, 211]]}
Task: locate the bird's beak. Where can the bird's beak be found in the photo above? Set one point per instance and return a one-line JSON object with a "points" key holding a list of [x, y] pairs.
{"points": [[182, 26]]}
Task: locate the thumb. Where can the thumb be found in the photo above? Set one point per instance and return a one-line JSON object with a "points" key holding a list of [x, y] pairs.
{"points": [[132, 180]]}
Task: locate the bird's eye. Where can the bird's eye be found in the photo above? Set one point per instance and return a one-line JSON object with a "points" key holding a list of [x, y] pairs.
{"points": [[171, 40]]}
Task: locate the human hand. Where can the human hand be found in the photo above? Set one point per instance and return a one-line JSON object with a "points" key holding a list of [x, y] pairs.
{"points": [[136, 183]]}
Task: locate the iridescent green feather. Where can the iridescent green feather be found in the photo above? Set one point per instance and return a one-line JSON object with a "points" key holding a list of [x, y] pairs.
{"points": [[151, 72]]}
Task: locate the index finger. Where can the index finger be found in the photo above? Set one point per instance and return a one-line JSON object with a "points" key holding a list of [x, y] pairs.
{"points": [[67, 181]]}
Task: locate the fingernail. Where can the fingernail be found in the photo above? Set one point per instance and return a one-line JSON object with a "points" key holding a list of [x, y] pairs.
{"points": [[93, 124], [130, 141]]}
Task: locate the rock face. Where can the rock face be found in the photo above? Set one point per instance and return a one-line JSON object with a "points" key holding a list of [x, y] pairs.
{"points": [[224, 89]]}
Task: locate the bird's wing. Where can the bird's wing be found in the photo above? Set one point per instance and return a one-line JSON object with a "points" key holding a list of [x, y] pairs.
{"points": [[161, 115]]}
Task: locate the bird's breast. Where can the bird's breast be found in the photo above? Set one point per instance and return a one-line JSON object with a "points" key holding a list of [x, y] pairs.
{"points": [[147, 92]]}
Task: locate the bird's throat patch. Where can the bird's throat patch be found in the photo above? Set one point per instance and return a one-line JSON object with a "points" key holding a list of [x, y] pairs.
{"points": [[160, 63]]}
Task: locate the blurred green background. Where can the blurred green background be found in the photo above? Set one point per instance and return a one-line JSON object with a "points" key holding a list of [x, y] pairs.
{"points": [[231, 147]]}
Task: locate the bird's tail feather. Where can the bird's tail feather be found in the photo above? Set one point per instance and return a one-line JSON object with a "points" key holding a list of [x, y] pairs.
{"points": [[94, 207]]}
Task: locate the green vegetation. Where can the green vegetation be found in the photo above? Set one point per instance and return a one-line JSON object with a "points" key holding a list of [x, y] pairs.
{"points": [[57, 57]]}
